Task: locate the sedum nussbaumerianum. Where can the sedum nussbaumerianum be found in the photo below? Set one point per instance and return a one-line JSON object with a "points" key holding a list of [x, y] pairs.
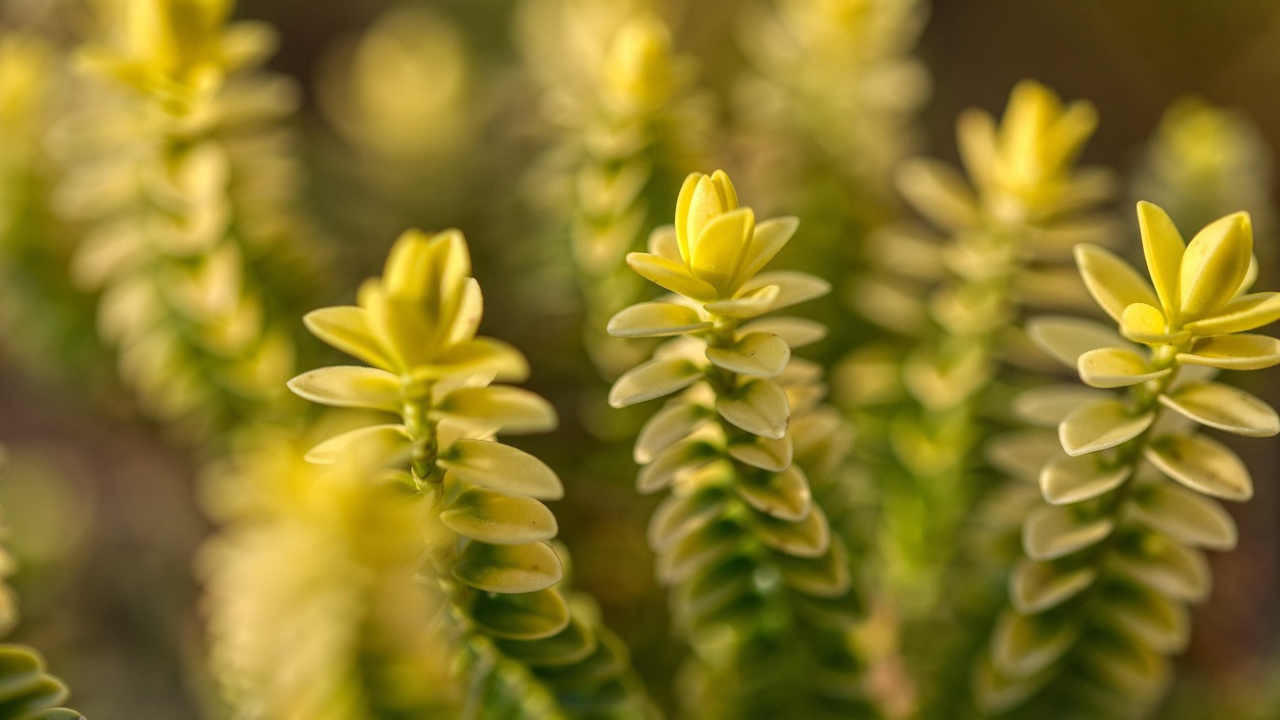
{"points": [[1114, 557], [755, 570], [530, 652]]}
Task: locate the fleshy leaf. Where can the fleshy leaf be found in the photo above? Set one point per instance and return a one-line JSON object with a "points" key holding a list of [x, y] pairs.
{"points": [[796, 332], [1185, 516], [747, 304], [686, 456], [1099, 426], [1225, 408], [760, 407], [1163, 247], [653, 379], [1247, 312], [498, 518], [508, 569], [1234, 352], [1023, 645], [1116, 367], [656, 319], [1052, 532], [764, 453], [1167, 567], [784, 495], [1076, 479], [670, 275], [1214, 264], [808, 538], [667, 427], [347, 329], [1144, 323], [1067, 338], [755, 354], [502, 468], [513, 410], [1202, 464], [350, 386], [527, 616], [1049, 405], [383, 441], [1038, 586], [1114, 284], [770, 237]]}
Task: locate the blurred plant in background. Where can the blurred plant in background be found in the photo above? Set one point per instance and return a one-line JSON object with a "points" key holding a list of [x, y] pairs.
{"points": [[182, 180]]}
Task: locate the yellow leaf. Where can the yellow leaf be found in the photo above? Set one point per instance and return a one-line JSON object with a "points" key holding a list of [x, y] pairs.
{"points": [[794, 331], [527, 616], [1163, 247], [1247, 312], [656, 319], [769, 237], [1112, 281], [1116, 367], [653, 379], [764, 453], [1146, 324], [1234, 352], [509, 409], [1049, 405], [717, 253], [747, 304], [671, 275], [1215, 264], [938, 192], [347, 329], [1067, 338], [350, 386], [673, 423], [807, 538], [1165, 566], [784, 495], [667, 467], [793, 287], [754, 354], [380, 441]]}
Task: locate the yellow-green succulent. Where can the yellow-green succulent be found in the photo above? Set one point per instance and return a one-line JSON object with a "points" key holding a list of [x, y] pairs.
{"points": [[526, 648], [754, 567], [1115, 555]]}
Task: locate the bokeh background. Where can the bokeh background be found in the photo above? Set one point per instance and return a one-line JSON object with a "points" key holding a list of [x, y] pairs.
{"points": [[103, 510]]}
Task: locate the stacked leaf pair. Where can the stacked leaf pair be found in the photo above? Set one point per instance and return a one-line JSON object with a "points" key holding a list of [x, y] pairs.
{"points": [[628, 129], [755, 571], [529, 652], [1115, 556], [185, 187]]}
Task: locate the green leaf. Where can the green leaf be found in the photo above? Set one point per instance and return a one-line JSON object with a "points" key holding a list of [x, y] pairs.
{"points": [[1038, 586], [1202, 464], [502, 468], [656, 319], [1166, 567], [1022, 645], [772, 455], [679, 515], [673, 423], [1101, 425], [1076, 479], [683, 457], [1225, 408], [508, 569], [351, 386], [826, 576], [1147, 617], [528, 616], [784, 495], [575, 643], [497, 518], [810, 537], [754, 354]]}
